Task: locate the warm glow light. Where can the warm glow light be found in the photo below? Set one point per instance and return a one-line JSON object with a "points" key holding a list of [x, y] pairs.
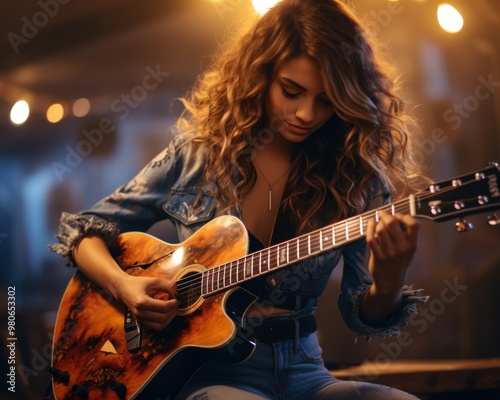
{"points": [[19, 112], [449, 18], [81, 107], [262, 6], [55, 113]]}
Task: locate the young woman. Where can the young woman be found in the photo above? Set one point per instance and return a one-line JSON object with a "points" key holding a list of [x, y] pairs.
{"points": [[295, 126]]}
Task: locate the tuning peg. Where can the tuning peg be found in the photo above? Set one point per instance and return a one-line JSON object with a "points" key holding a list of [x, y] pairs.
{"points": [[463, 226], [493, 219]]}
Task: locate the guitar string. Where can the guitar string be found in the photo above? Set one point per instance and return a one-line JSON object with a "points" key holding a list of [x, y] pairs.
{"points": [[272, 251], [272, 257]]}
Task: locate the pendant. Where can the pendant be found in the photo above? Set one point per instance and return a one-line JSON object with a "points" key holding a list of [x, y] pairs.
{"points": [[270, 199]]}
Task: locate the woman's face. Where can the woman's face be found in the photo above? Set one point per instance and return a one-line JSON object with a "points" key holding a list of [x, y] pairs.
{"points": [[297, 104]]}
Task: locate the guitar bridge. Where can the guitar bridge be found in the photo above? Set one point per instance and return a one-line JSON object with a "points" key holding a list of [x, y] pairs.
{"points": [[132, 332]]}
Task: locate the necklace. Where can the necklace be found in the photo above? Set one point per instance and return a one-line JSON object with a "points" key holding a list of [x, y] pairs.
{"points": [[270, 185]]}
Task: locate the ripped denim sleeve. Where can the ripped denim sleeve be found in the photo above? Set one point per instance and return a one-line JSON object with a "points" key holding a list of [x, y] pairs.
{"points": [[356, 280], [411, 298], [73, 227]]}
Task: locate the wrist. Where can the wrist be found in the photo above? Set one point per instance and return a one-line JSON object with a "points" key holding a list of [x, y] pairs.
{"points": [[385, 292], [117, 282]]}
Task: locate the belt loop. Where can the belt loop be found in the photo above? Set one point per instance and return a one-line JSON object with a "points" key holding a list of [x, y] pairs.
{"points": [[297, 334]]}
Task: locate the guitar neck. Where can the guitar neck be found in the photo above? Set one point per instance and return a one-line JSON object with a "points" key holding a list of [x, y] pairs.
{"points": [[300, 248], [465, 195]]}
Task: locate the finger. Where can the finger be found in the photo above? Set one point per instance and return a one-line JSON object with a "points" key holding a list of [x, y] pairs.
{"points": [[372, 237], [157, 320], [159, 306], [162, 285], [159, 314], [411, 227], [392, 228]]}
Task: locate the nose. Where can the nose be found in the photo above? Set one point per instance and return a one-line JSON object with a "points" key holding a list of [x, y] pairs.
{"points": [[305, 111]]}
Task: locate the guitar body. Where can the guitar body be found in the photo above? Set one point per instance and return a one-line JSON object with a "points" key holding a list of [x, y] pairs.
{"points": [[91, 346]]}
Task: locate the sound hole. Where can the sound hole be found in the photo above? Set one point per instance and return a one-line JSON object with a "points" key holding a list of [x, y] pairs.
{"points": [[189, 292]]}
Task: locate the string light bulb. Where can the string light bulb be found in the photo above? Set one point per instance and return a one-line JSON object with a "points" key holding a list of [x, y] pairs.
{"points": [[262, 6], [55, 113], [449, 18], [81, 107], [19, 112]]}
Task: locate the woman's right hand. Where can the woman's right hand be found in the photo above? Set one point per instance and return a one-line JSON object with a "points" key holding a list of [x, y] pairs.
{"points": [[152, 300]]}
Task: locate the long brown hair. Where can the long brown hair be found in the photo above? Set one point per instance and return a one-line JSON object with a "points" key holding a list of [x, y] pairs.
{"points": [[337, 169]]}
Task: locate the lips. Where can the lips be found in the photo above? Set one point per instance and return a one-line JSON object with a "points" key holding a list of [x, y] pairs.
{"points": [[298, 128]]}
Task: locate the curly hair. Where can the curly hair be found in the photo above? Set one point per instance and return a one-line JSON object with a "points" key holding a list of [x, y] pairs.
{"points": [[338, 169]]}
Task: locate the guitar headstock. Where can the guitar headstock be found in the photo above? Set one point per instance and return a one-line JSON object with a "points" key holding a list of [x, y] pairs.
{"points": [[469, 194]]}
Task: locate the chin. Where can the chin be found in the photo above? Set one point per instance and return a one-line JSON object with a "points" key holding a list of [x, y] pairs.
{"points": [[294, 137]]}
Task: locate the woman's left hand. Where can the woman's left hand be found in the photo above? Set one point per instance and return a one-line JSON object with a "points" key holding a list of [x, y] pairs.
{"points": [[392, 240]]}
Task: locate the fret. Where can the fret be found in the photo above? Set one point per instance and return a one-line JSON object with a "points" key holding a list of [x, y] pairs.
{"points": [[292, 251], [321, 240], [308, 245], [238, 271], [393, 210], [287, 252], [252, 263], [347, 230], [316, 242], [298, 248], [413, 207], [245, 269], [218, 278], [303, 246], [361, 225], [282, 253], [224, 277], [204, 282], [207, 284], [333, 235], [212, 280]]}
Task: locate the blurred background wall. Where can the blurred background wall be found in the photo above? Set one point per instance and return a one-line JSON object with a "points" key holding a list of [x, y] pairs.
{"points": [[132, 60]]}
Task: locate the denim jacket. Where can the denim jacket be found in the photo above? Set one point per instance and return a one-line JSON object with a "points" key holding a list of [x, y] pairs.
{"points": [[167, 188]]}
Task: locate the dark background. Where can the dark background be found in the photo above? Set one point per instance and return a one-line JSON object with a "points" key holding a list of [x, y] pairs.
{"points": [[104, 50]]}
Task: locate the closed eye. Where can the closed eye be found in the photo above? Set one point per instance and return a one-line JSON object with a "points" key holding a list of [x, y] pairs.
{"points": [[288, 94], [326, 101]]}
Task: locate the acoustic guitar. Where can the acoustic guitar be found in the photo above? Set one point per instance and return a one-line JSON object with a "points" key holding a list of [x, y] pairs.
{"points": [[101, 352]]}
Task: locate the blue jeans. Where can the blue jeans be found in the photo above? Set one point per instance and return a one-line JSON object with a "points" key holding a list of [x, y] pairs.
{"points": [[287, 370]]}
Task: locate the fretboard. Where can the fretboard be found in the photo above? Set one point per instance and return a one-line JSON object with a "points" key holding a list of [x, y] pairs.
{"points": [[291, 251]]}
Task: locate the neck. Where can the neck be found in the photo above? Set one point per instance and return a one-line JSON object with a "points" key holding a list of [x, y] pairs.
{"points": [[278, 149]]}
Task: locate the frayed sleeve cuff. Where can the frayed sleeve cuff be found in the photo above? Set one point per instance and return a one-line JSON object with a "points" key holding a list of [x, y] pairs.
{"points": [[73, 227], [411, 298]]}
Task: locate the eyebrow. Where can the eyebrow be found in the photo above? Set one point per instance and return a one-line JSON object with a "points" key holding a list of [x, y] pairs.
{"points": [[293, 83]]}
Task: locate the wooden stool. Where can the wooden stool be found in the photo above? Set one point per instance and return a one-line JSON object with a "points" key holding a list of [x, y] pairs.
{"points": [[432, 378]]}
